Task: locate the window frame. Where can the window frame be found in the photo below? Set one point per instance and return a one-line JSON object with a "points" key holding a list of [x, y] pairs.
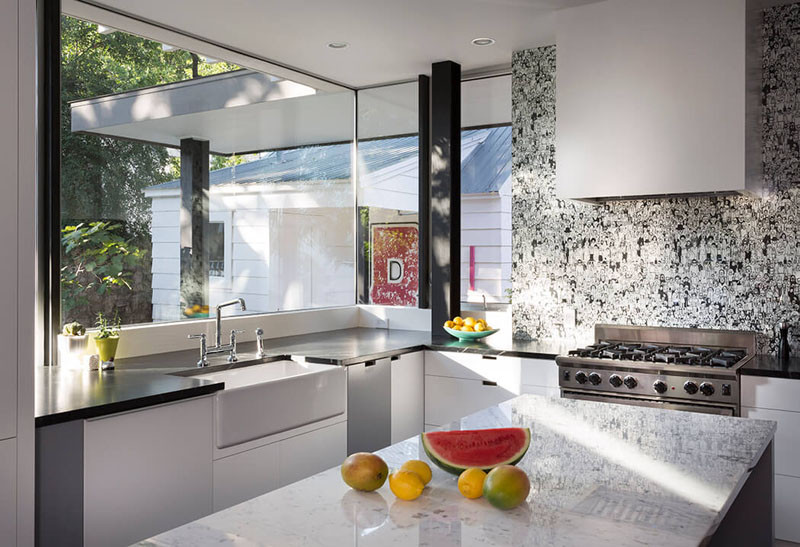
{"points": [[225, 218]]}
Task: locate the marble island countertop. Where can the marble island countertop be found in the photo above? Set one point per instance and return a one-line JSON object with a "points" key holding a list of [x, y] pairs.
{"points": [[600, 475]]}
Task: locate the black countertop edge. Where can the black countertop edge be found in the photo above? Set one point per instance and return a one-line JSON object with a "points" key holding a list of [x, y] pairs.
{"points": [[771, 366], [367, 357], [127, 404], [494, 351]]}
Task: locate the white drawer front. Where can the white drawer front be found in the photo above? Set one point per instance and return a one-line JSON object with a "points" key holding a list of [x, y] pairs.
{"points": [[775, 393], [308, 454], [787, 508], [541, 390], [448, 399], [539, 372], [245, 475], [787, 438], [472, 366]]}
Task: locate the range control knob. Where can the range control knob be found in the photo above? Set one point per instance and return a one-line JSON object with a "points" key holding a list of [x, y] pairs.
{"points": [[690, 388], [595, 378], [580, 377], [707, 389], [630, 382], [660, 386], [615, 380]]}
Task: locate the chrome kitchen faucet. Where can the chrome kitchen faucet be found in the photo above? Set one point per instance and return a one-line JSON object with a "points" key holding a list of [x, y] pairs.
{"points": [[205, 351]]}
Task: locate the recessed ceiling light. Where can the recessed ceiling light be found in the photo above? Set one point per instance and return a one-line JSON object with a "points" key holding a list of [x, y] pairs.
{"points": [[483, 41], [338, 45]]}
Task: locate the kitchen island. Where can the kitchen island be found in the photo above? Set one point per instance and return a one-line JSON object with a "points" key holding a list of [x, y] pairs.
{"points": [[601, 474]]}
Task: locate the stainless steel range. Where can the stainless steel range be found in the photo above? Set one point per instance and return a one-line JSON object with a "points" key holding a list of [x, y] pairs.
{"points": [[685, 369]]}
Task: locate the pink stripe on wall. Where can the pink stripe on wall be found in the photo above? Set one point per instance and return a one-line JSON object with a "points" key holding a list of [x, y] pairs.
{"points": [[472, 267]]}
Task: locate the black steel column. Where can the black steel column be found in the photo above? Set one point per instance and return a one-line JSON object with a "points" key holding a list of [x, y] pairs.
{"points": [[445, 193], [194, 222], [48, 307], [424, 208]]}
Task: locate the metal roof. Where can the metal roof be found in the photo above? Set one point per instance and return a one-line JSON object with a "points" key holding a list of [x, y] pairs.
{"points": [[485, 166]]}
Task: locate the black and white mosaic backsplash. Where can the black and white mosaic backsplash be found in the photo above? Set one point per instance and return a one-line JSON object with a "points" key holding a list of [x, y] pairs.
{"points": [[712, 262]]}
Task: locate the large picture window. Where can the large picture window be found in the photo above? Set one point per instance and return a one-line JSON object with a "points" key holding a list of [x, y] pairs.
{"points": [[187, 181]]}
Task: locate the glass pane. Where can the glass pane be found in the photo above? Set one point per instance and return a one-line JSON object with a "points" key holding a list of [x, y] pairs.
{"points": [[257, 204], [388, 190], [486, 191]]}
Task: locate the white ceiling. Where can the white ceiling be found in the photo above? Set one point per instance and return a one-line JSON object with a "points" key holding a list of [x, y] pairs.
{"points": [[390, 40]]}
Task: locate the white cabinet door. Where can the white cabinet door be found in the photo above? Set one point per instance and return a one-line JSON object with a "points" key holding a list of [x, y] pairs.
{"points": [[147, 471], [408, 395], [539, 372], [787, 508], [8, 492], [787, 438], [775, 393], [307, 454], [245, 475], [449, 399], [542, 391], [505, 371]]}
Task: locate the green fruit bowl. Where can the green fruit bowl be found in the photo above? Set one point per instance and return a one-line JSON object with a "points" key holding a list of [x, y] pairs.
{"points": [[470, 335]]}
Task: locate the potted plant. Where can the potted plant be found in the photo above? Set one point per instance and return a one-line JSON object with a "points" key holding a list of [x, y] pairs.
{"points": [[106, 339], [72, 345]]}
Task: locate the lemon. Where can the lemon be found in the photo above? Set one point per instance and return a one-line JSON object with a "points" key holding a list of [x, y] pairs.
{"points": [[466, 328], [449, 324], [458, 321], [406, 485], [420, 468], [470, 482], [479, 327], [482, 321], [470, 321]]}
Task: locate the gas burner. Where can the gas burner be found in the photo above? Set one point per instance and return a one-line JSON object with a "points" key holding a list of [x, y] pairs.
{"points": [[695, 356]]}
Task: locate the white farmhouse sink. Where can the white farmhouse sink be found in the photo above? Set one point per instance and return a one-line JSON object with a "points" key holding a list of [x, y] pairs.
{"points": [[265, 399]]}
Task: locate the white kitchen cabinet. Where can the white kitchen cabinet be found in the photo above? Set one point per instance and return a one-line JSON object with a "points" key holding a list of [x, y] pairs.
{"points": [[245, 475], [449, 399], [539, 377], [787, 438], [8, 492], [505, 371], [778, 399], [657, 97], [408, 395], [256, 471], [147, 471], [308, 454], [775, 393]]}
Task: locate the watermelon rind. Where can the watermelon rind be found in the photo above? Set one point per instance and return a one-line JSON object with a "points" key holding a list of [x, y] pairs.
{"points": [[456, 469]]}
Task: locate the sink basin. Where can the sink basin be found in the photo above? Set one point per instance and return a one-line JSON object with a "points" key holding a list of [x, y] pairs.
{"points": [[265, 399]]}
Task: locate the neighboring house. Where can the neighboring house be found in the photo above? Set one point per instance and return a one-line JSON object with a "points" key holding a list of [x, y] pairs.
{"points": [[282, 226]]}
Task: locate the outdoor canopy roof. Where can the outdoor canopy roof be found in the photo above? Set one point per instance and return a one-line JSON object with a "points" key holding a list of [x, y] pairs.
{"points": [[247, 111]]}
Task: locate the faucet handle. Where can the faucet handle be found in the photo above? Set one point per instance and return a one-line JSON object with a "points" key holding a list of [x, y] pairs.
{"points": [[201, 336], [203, 348]]}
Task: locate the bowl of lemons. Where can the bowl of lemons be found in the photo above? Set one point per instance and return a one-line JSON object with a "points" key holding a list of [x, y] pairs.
{"points": [[468, 328]]}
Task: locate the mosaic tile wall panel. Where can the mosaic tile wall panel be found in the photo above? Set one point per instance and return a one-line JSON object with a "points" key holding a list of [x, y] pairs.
{"points": [[714, 262]]}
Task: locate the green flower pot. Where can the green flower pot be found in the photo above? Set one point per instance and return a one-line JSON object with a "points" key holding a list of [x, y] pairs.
{"points": [[107, 348]]}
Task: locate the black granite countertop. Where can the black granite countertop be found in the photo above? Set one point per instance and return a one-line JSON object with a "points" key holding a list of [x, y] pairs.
{"points": [[771, 366], [63, 395]]}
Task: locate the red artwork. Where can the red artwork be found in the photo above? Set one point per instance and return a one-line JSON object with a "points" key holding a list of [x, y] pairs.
{"points": [[395, 264]]}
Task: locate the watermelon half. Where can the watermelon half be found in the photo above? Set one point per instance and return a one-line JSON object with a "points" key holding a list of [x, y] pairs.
{"points": [[455, 451]]}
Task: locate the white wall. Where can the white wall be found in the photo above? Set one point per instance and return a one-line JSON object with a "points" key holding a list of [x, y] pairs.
{"points": [[486, 225]]}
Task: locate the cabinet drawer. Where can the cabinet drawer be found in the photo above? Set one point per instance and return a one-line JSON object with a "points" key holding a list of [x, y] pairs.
{"points": [[775, 393], [308, 454], [472, 366], [245, 475], [787, 508], [449, 399], [541, 390], [539, 372], [787, 438]]}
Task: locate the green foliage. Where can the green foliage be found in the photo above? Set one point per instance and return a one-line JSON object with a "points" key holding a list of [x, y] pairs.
{"points": [[102, 177], [96, 258], [107, 329]]}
